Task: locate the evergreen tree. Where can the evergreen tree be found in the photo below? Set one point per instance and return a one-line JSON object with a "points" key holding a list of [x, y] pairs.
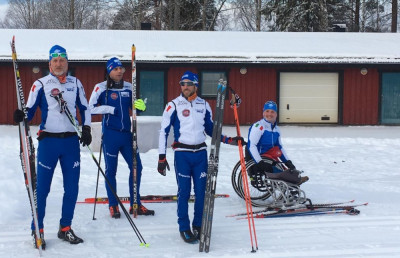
{"points": [[292, 15]]}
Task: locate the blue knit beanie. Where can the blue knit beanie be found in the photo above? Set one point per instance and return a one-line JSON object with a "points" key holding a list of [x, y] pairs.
{"points": [[270, 105], [56, 51], [188, 75], [113, 63]]}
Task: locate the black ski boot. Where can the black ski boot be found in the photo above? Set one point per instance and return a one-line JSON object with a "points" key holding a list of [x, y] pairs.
{"points": [[188, 237], [142, 211], [35, 243], [114, 212], [196, 231], [67, 234]]}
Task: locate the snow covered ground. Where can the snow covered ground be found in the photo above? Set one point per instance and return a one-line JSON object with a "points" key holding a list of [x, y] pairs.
{"points": [[343, 163]]}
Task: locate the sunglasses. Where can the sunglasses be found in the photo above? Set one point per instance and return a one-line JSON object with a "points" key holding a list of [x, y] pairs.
{"points": [[190, 83], [64, 55]]}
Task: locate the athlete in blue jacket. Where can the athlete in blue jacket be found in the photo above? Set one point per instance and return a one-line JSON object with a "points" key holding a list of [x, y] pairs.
{"points": [[113, 99], [264, 137], [58, 140], [191, 118]]}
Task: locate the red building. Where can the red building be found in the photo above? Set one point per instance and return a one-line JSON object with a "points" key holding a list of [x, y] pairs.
{"points": [[316, 78]]}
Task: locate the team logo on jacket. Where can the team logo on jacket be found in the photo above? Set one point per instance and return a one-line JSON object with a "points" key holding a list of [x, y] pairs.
{"points": [[186, 112], [55, 92], [52, 81], [114, 96]]}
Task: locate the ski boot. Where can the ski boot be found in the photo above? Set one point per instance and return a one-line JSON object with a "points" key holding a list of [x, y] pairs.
{"points": [[67, 234], [196, 231], [114, 212], [188, 237], [142, 211]]}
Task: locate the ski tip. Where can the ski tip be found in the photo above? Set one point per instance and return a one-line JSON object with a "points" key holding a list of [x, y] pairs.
{"points": [[13, 39]]}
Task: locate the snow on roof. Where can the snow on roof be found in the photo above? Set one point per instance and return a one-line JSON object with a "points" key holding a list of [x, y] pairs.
{"points": [[206, 46]]}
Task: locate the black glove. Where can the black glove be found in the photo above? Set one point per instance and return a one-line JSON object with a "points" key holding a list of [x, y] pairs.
{"points": [[235, 140], [290, 165], [162, 164], [86, 137], [265, 165], [18, 116]]}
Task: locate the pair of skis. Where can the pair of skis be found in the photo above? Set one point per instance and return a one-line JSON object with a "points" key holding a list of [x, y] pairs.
{"points": [[27, 150], [212, 171], [306, 210]]}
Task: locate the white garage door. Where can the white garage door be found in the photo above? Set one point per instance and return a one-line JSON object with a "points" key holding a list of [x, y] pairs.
{"points": [[308, 98]]}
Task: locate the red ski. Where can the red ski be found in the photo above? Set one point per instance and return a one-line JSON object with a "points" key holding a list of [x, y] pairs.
{"points": [[149, 199]]}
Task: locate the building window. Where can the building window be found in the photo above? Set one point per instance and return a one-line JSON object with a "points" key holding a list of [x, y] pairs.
{"points": [[209, 81]]}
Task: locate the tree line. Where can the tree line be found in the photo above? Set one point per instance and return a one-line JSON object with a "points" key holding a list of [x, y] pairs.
{"points": [[225, 15]]}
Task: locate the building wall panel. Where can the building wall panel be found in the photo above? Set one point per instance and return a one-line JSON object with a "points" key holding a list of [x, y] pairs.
{"points": [[360, 97]]}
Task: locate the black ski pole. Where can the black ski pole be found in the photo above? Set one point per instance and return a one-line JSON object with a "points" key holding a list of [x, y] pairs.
{"points": [[97, 181], [64, 108], [101, 148]]}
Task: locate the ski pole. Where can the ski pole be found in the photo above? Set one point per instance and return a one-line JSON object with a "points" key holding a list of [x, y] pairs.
{"points": [[97, 181], [101, 148], [235, 99], [64, 108]]}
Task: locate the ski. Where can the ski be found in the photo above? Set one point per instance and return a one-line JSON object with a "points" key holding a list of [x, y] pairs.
{"points": [[212, 171], [308, 206], [305, 211], [331, 204], [27, 150], [134, 134], [148, 199]]}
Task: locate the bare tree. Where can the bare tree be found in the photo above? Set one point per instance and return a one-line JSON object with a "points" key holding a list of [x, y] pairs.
{"points": [[48, 14], [216, 14], [177, 12], [245, 14], [258, 15], [24, 14], [394, 15]]}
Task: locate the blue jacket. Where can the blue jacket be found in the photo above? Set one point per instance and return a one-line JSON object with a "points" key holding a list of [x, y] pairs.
{"points": [[263, 136], [115, 107]]}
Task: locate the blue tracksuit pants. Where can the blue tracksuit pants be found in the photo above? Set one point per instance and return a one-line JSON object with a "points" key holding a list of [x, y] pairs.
{"points": [[50, 151], [115, 142], [190, 165]]}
